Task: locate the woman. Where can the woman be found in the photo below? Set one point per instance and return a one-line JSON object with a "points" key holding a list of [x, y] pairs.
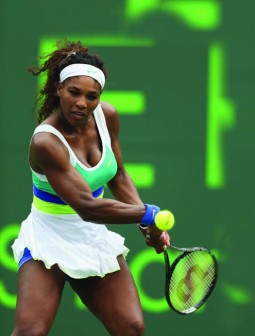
{"points": [[73, 153]]}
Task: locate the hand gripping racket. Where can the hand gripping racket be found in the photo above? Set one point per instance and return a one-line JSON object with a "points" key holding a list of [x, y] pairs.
{"points": [[190, 279]]}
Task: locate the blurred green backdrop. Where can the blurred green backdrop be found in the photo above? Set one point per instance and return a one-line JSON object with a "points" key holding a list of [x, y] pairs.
{"points": [[181, 74]]}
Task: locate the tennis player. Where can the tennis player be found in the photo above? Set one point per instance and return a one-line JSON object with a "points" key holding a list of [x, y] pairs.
{"points": [[74, 152]]}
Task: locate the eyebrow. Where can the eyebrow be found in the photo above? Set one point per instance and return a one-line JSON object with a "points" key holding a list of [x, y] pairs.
{"points": [[73, 87]]}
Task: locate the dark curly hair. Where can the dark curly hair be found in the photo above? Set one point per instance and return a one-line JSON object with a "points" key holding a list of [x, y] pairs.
{"points": [[66, 53]]}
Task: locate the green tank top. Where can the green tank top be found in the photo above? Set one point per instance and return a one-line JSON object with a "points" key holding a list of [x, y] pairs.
{"points": [[96, 176]]}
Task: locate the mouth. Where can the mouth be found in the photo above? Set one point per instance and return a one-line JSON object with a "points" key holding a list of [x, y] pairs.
{"points": [[78, 115]]}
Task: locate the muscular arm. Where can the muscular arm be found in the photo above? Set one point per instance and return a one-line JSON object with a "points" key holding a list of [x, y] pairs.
{"points": [[50, 157], [121, 186]]}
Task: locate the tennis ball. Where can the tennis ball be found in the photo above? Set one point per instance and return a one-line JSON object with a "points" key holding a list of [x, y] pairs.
{"points": [[164, 220]]}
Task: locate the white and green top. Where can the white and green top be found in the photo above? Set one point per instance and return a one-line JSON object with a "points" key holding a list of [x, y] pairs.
{"points": [[45, 198]]}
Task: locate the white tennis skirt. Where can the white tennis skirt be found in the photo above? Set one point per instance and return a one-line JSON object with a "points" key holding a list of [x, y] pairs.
{"points": [[81, 249]]}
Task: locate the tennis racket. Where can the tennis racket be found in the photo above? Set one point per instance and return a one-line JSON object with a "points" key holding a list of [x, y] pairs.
{"points": [[190, 279]]}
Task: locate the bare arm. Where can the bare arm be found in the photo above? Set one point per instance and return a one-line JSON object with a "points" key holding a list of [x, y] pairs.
{"points": [[121, 186]]}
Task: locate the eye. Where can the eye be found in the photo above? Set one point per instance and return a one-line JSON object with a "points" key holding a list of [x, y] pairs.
{"points": [[74, 93], [92, 97]]}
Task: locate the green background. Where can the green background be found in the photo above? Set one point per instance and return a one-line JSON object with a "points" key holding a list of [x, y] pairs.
{"points": [[181, 74]]}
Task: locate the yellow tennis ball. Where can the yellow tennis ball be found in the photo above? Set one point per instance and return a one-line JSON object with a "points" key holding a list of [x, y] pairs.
{"points": [[164, 220]]}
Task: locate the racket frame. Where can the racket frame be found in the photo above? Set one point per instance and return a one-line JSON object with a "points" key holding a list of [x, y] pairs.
{"points": [[169, 268]]}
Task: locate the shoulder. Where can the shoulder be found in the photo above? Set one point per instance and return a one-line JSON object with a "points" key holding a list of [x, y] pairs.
{"points": [[111, 116], [109, 110], [45, 140], [46, 147]]}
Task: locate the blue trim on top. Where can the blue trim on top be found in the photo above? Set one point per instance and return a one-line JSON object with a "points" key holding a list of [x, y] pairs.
{"points": [[45, 196], [98, 192]]}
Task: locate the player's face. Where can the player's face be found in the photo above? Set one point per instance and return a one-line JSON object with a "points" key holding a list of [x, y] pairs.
{"points": [[79, 96]]}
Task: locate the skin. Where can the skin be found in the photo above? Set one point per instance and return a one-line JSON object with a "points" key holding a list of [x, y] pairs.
{"points": [[113, 299]]}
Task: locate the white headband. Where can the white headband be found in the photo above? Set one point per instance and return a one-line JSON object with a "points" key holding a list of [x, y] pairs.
{"points": [[83, 70]]}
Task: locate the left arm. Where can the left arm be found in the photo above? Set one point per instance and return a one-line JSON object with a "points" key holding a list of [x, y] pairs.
{"points": [[122, 186]]}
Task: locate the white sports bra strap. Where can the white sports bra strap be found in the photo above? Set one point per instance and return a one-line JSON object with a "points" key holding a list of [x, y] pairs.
{"points": [[53, 130]]}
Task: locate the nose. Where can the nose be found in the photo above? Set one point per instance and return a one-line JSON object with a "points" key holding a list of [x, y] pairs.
{"points": [[81, 103]]}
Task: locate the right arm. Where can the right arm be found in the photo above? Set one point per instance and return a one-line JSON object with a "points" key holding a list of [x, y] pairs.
{"points": [[50, 157]]}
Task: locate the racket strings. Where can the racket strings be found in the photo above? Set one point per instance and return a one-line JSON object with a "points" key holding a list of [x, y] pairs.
{"points": [[191, 280]]}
